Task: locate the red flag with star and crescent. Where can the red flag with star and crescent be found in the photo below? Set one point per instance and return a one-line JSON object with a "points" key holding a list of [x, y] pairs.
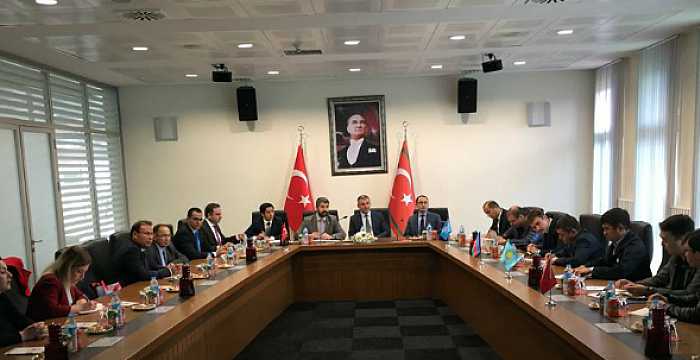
{"points": [[403, 197], [299, 197]]}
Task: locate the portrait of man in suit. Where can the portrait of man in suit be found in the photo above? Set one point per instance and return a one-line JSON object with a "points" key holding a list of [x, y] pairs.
{"points": [[357, 135]]}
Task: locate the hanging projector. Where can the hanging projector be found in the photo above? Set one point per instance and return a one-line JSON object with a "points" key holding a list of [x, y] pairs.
{"points": [[492, 64], [221, 73]]}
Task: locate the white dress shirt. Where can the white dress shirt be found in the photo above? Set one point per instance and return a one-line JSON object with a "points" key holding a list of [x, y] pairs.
{"points": [[354, 150]]}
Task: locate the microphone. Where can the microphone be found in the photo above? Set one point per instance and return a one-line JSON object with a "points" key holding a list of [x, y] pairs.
{"points": [[343, 218]]}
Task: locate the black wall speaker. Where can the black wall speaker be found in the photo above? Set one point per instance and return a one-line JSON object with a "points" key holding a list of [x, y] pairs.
{"points": [[247, 105], [466, 96]]}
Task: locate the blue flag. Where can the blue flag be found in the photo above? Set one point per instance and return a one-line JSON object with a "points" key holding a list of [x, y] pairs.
{"points": [[510, 256], [446, 230]]}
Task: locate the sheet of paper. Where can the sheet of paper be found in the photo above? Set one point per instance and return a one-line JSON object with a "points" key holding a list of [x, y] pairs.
{"points": [[517, 274], [106, 341], [490, 260], [161, 310], [128, 303], [559, 277], [562, 298], [209, 282], [86, 324], [612, 328], [595, 288], [643, 312], [25, 351]]}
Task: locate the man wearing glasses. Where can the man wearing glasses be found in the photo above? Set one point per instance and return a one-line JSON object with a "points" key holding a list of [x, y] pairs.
{"points": [[422, 218]]}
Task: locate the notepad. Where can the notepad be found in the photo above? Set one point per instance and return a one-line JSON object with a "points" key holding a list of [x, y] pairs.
{"points": [[128, 303], [25, 351], [209, 282], [161, 310], [612, 328], [562, 298], [595, 288], [643, 312], [106, 341], [86, 324]]}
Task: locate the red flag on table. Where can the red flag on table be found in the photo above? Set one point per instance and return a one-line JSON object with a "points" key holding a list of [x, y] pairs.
{"points": [[284, 234], [299, 194], [403, 197], [548, 280]]}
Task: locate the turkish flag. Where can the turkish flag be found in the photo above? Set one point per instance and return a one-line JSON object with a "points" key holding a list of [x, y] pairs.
{"points": [[299, 194], [548, 280], [403, 197]]}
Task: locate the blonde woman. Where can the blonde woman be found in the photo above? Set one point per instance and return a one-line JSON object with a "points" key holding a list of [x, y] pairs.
{"points": [[56, 294]]}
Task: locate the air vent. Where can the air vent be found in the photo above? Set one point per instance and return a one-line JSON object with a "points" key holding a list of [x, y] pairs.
{"points": [[143, 15], [192, 46], [544, 1], [297, 52]]}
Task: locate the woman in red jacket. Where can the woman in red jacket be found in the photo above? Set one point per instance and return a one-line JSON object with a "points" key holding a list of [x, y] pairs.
{"points": [[55, 294]]}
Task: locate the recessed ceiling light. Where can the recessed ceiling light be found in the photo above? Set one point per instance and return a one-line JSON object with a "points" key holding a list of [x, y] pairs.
{"points": [[273, 72], [46, 2], [519, 63], [191, 75], [565, 32], [436, 66], [140, 48], [352, 42], [354, 69], [245, 46], [458, 37]]}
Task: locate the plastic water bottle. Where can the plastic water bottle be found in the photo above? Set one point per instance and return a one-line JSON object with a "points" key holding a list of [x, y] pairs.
{"points": [[608, 294], [210, 261], [230, 255], [72, 332], [305, 237], [568, 273], [429, 230], [155, 288], [117, 316]]}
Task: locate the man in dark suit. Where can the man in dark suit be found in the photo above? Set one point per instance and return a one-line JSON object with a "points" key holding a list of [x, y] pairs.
{"points": [[360, 152], [211, 231], [499, 217], [133, 265], [163, 253], [189, 239], [367, 220], [627, 256], [266, 225], [420, 220], [544, 224], [578, 246]]}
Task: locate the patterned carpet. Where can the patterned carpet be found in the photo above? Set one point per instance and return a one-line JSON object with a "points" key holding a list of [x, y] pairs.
{"points": [[386, 330]]}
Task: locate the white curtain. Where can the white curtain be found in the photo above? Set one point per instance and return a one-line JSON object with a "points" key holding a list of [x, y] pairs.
{"points": [[608, 117], [657, 118]]}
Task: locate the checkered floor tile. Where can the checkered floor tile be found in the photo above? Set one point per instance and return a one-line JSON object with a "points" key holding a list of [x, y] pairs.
{"points": [[385, 330]]}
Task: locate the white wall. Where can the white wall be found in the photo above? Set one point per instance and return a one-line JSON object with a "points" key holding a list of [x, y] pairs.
{"points": [[459, 165]]}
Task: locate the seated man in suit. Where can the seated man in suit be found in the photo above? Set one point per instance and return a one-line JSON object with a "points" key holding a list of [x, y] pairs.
{"points": [[211, 231], [132, 265], [189, 239], [163, 253], [420, 220], [676, 277], [360, 152], [627, 256], [520, 233], [545, 225], [266, 225], [685, 307], [500, 223], [578, 246], [367, 220], [322, 225]]}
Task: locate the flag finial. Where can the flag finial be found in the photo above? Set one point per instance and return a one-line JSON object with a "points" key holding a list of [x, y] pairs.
{"points": [[300, 129], [405, 129]]}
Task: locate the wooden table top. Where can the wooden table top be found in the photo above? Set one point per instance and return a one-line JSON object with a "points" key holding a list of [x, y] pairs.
{"points": [[565, 319]]}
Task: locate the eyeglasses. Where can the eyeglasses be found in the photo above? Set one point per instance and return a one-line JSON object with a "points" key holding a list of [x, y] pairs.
{"points": [[197, 219]]}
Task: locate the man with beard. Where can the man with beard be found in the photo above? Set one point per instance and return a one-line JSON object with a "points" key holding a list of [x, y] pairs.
{"points": [[321, 225]]}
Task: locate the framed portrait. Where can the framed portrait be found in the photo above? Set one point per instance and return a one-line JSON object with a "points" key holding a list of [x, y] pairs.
{"points": [[357, 135]]}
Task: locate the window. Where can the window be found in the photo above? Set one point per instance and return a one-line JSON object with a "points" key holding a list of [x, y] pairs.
{"points": [[22, 92], [606, 144], [656, 121]]}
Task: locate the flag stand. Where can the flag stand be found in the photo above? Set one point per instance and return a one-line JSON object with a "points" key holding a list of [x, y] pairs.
{"points": [[550, 303], [508, 275]]}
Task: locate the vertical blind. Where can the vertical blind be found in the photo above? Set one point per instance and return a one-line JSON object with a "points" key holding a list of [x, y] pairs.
{"points": [[22, 94], [656, 122]]}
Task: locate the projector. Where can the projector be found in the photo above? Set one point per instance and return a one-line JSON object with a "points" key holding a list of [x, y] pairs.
{"points": [[492, 64], [221, 73]]}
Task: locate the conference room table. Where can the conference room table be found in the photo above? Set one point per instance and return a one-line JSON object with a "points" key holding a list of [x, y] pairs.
{"points": [[229, 310]]}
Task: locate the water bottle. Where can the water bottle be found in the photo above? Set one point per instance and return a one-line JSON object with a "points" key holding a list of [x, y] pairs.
{"points": [[608, 294], [568, 273], [429, 232], [462, 237], [210, 261], [155, 289], [72, 333], [230, 255], [305, 237], [116, 312]]}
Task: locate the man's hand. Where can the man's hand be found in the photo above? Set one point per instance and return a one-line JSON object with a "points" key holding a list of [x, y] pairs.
{"points": [[314, 235], [636, 289], [620, 284], [658, 297], [325, 236], [582, 270], [501, 240], [33, 331], [532, 248]]}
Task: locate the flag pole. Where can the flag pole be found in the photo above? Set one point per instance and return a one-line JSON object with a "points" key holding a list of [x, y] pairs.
{"points": [[405, 130], [550, 302], [300, 129]]}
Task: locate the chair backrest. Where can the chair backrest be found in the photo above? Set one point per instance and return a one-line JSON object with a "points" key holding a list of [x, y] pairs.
{"points": [[180, 224], [383, 211], [591, 223], [102, 266], [278, 213], [16, 293], [332, 212], [443, 212], [644, 231]]}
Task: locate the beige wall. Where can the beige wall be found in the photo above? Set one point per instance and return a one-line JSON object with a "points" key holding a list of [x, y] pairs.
{"points": [[459, 165]]}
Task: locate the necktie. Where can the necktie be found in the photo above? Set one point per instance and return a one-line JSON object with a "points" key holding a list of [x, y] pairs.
{"points": [[421, 223], [368, 226], [162, 256], [197, 241], [268, 224], [217, 233]]}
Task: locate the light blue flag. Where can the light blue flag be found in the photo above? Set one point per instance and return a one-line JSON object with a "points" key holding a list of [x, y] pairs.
{"points": [[510, 256], [446, 230]]}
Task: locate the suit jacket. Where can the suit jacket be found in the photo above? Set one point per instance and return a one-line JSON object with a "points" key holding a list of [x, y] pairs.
{"points": [[368, 156], [431, 218], [380, 228], [184, 242], [171, 256], [663, 282], [585, 248], [209, 238], [333, 227], [257, 226], [628, 259], [11, 322], [133, 266], [500, 224], [49, 300], [684, 307]]}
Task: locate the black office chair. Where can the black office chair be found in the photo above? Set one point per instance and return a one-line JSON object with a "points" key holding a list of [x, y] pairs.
{"points": [[278, 214], [331, 212], [591, 223], [180, 224], [443, 212], [16, 294], [644, 231], [383, 211]]}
